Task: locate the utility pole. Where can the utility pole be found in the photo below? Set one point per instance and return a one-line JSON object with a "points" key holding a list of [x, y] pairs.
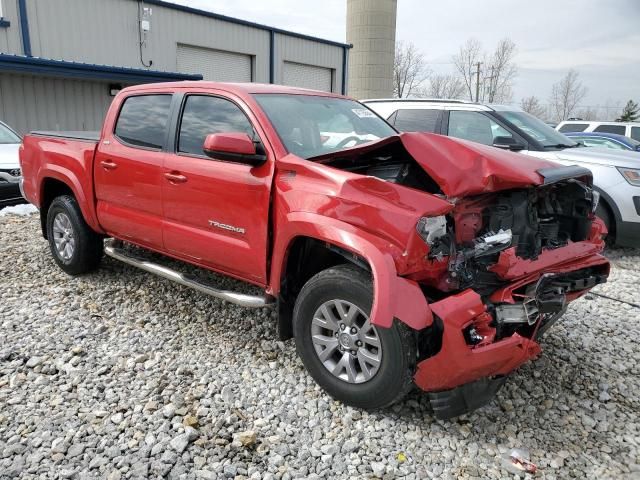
{"points": [[478, 81], [493, 87]]}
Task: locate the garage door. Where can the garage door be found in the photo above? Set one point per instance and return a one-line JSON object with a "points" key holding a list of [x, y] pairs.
{"points": [[217, 65], [307, 76]]}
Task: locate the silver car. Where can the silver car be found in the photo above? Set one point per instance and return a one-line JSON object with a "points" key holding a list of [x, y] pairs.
{"points": [[616, 174], [9, 167]]}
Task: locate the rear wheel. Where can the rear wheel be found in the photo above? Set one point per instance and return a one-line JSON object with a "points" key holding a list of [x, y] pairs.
{"points": [[75, 247], [354, 361]]}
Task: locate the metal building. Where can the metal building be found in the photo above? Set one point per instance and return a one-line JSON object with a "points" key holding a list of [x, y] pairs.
{"points": [[62, 61]]}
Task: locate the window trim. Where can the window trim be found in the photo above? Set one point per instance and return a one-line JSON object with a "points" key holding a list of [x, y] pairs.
{"points": [[175, 140], [142, 147]]}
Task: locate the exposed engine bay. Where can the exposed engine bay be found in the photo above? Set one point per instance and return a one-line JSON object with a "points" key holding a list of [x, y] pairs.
{"points": [[531, 221], [465, 245]]}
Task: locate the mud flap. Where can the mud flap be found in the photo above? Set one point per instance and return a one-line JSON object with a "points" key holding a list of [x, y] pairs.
{"points": [[465, 398]]}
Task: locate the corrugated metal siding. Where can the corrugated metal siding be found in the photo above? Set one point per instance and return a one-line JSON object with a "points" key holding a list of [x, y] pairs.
{"points": [[41, 103], [106, 32], [10, 40], [79, 32], [214, 65], [306, 76], [306, 52]]}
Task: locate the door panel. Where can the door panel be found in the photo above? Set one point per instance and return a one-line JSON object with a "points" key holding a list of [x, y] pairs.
{"points": [[128, 169], [218, 215]]}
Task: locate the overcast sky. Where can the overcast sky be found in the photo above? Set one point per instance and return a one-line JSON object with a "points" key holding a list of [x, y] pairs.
{"points": [[601, 39]]}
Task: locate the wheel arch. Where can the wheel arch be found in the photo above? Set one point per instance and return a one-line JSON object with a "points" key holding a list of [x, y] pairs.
{"points": [[612, 209], [55, 183], [393, 296]]}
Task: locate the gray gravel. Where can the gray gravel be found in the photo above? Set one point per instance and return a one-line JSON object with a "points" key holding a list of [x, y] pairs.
{"points": [[120, 375]]}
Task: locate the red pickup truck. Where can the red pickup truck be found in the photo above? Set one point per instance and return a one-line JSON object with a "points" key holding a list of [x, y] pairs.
{"points": [[392, 259]]}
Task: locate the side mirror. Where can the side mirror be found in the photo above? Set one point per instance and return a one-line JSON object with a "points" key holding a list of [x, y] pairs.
{"points": [[508, 143], [234, 147]]}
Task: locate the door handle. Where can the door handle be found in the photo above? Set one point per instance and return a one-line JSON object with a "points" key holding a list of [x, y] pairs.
{"points": [[175, 177], [109, 164]]}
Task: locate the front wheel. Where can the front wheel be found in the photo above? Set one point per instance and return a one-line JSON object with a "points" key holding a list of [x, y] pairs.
{"points": [[75, 247], [354, 361]]}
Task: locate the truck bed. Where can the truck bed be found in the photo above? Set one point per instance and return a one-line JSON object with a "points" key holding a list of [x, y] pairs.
{"points": [[72, 135], [49, 159]]}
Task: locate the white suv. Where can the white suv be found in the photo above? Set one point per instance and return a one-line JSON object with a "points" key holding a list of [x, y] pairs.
{"points": [[628, 129], [616, 174]]}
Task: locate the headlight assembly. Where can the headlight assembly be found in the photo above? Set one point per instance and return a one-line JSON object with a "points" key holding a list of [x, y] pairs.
{"points": [[432, 228], [631, 175]]}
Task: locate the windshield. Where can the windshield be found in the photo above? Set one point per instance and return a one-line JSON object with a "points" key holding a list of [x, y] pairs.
{"points": [[313, 125], [7, 135], [537, 129]]}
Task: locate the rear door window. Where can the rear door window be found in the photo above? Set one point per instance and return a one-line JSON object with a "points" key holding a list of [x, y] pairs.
{"points": [[635, 133], [410, 120], [574, 127], [619, 129], [143, 121]]}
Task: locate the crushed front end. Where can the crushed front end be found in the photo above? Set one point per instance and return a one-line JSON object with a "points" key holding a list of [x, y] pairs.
{"points": [[500, 270]]}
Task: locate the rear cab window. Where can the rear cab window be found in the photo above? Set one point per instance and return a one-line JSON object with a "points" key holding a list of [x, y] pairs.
{"points": [[143, 121], [573, 127]]}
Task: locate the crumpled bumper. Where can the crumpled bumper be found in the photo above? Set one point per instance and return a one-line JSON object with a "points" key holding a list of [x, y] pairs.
{"points": [[458, 363]]}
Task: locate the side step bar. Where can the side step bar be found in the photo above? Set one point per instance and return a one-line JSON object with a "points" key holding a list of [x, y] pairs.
{"points": [[111, 248]]}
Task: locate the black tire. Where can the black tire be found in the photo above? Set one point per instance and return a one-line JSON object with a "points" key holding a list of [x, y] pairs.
{"points": [[603, 212], [394, 377], [88, 246]]}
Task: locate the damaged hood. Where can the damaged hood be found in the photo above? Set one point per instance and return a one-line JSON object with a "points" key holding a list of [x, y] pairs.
{"points": [[462, 168]]}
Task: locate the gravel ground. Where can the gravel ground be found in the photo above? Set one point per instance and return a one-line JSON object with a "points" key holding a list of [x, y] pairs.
{"points": [[119, 374]]}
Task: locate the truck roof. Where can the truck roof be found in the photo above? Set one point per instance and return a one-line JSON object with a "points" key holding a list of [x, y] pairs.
{"points": [[237, 88]]}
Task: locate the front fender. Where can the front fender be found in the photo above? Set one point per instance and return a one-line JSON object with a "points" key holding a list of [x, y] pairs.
{"points": [[393, 296]]}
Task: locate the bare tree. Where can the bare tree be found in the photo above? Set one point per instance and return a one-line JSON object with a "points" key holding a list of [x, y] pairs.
{"points": [[466, 62], [409, 70], [497, 71], [588, 113], [533, 106], [566, 95], [445, 86], [501, 71]]}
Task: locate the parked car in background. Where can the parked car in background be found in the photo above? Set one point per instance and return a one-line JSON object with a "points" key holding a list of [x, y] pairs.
{"points": [[616, 174], [606, 140], [9, 167], [628, 129], [387, 262]]}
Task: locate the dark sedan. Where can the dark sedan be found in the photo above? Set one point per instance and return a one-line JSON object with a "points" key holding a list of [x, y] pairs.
{"points": [[607, 140]]}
